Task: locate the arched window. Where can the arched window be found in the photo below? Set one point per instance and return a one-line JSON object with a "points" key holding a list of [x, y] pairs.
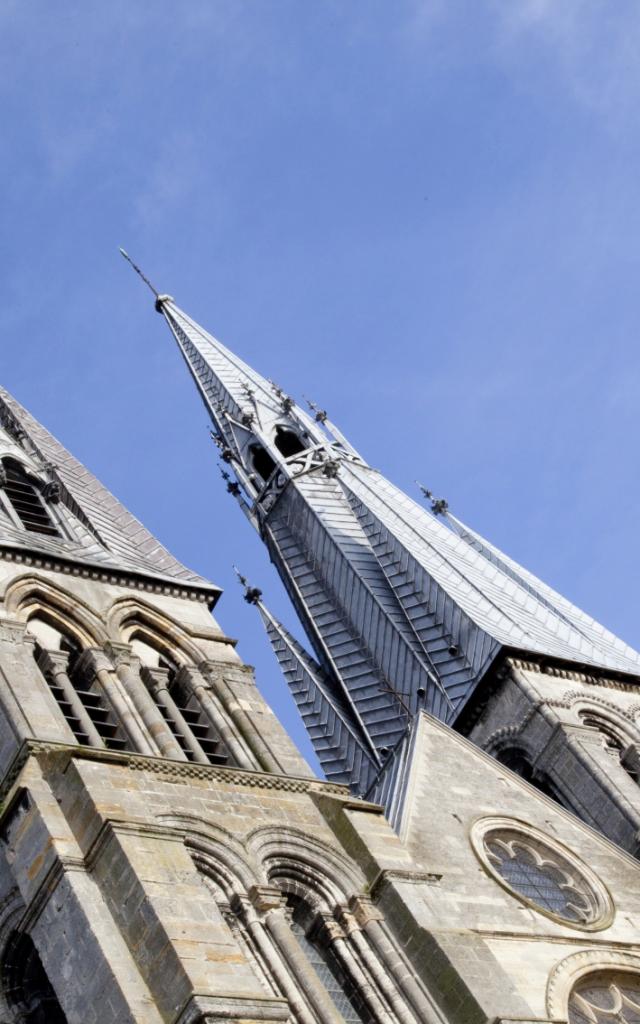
{"points": [[606, 997], [261, 461], [288, 442], [614, 740], [83, 705], [26, 500], [342, 990], [27, 989]]}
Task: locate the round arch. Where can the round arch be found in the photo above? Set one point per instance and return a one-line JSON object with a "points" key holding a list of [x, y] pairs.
{"points": [[297, 861], [566, 975]]}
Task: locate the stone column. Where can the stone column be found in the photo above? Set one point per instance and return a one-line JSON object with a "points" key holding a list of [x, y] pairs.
{"points": [[332, 931], [251, 919], [201, 688], [266, 760], [270, 902], [371, 920], [55, 664], [97, 664], [158, 681], [158, 733]]}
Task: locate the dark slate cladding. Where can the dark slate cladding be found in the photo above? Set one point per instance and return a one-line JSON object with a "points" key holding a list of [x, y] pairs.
{"points": [[341, 748], [404, 608]]}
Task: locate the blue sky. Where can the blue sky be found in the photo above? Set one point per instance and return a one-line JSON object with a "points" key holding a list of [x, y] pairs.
{"points": [[422, 213]]}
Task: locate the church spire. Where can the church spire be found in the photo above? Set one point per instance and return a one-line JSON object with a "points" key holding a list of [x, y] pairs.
{"points": [[405, 608]]}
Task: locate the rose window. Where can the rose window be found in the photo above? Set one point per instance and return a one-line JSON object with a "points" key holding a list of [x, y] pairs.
{"points": [[542, 876], [606, 998]]}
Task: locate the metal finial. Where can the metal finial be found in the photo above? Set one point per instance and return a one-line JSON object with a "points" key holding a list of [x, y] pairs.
{"points": [[321, 414], [438, 505], [139, 272], [252, 595], [160, 299]]}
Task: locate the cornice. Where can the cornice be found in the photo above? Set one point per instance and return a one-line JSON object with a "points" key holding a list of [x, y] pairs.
{"points": [[171, 770], [572, 673], [108, 574]]}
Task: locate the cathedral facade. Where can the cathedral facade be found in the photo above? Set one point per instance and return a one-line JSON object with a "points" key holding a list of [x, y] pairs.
{"points": [[166, 853]]}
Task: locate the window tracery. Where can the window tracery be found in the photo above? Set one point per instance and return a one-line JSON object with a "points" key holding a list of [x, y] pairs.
{"points": [[541, 873], [606, 997]]}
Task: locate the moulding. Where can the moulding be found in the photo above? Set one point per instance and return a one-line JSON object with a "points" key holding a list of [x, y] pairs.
{"points": [[565, 974], [171, 770], [575, 674], [51, 563], [203, 1009], [389, 876]]}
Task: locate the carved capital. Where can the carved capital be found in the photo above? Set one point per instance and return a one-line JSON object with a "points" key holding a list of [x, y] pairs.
{"points": [[155, 679], [93, 660], [364, 910], [120, 654], [14, 632], [53, 661], [266, 897], [326, 928]]}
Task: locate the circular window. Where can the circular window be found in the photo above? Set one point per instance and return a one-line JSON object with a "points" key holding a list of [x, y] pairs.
{"points": [[542, 874], [607, 996]]}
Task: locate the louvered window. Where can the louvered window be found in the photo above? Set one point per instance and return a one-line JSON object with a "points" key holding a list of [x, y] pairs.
{"points": [[26, 501], [191, 711]]}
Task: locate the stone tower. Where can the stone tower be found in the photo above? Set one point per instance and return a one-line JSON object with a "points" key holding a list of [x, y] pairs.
{"points": [[166, 856], [406, 609]]}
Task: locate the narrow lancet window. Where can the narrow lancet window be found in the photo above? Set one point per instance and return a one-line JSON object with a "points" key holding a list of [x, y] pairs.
{"points": [[261, 461]]}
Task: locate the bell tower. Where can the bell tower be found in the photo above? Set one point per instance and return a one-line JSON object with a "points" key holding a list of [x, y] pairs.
{"points": [[110, 666]]}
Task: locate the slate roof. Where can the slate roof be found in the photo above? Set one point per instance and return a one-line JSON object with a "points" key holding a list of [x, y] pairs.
{"points": [[404, 610], [99, 530]]}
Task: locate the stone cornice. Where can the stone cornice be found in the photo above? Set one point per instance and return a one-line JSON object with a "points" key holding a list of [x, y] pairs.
{"points": [[171, 770], [109, 574], [598, 678]]}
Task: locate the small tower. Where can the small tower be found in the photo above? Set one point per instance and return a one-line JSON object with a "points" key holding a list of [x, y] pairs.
{"points": [[407, 609]]}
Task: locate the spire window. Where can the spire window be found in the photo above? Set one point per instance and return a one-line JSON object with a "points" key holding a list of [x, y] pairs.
{"points": [[25, 499], [288, 442], [261, 461]]}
